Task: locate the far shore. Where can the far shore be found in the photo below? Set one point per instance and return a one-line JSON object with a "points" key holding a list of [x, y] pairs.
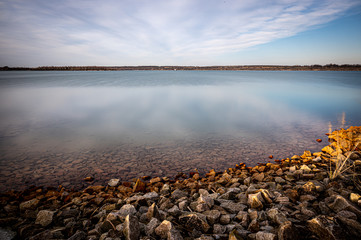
{"points": [[328, 67]]}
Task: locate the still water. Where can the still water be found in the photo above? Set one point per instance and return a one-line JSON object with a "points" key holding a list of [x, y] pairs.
{"points": [[59, 127]]}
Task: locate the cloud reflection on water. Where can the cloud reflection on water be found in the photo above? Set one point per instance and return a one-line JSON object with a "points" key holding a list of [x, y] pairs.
{"points": [[146, 113]]}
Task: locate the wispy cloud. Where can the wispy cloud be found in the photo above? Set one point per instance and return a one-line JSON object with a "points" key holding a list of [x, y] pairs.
{"points": [[119, 32]]}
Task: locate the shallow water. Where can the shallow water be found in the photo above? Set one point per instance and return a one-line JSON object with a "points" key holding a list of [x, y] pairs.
{"points": [[59, 127]]}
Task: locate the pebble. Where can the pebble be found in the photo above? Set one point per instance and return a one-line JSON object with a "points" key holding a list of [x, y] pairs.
{"points": [[239, 203]]}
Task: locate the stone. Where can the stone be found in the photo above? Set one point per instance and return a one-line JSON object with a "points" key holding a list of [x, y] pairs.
{"points": [[151, 226], [29, 205], [253, 226], [131, 229], [258, 177], [79, 235], [325, 228], [234, 235], [276, 216], [127, 209], [354, 197], [6, 234], [174, 211], [176, 194], [242, 217], [153, 212], [352, 226], [139, 186], [340, 203], [194, 221], [309, 187], [346, 214], [44, 217], [212, 216], [113, 182], [225, 219], [305, 169], [173, 234], [163, 229], [155, 180], [219, 229], [286, 231], [266, 195], [292, 169], [232, 207], [307, 198], [151, 196], [292, 194], [207, 200], [255, 200], [265, 236], [280, 180]]}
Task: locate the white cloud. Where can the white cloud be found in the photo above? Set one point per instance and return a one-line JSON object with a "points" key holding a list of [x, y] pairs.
{"points": [[120, 32]]}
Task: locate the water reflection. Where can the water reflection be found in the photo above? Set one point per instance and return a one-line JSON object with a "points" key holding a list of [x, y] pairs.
{"points": [[70, 129]]}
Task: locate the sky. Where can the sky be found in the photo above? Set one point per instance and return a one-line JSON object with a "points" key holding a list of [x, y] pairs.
{"points": [[179, 32]]}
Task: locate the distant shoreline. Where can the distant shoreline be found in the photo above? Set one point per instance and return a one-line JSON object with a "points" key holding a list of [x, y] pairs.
{"points": [[328, 67]]}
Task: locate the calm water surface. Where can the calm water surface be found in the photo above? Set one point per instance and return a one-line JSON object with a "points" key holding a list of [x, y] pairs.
{"points": [[59, 127]]}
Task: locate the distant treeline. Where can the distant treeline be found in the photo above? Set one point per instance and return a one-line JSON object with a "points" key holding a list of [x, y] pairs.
{"points": [[328, 67]]}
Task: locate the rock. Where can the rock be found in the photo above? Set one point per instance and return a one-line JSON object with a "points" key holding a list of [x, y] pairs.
{"points": [[206, 200], [176, 194], [307, 198], [287, 232], [29, 205], [292, 194], [151, 196], [153, 212], [79, 235], [353, 227], [225, 219], [280, 180], [232, 207], [194, 221], [131, 229], [242, 217], [255, 200], [354, 197], [151, 226], [305, 169], [44, 218], [155, 180], [266, 195], [6, 234], [212, 216], [346, 214], [68, 213], [219, 229], [258, 177], [139, 186], [163, 229], [253, 226], [234, 235], [309, 187], [113, 182], [88, 179], [325, 228], [173, 234], [292, 169], [127, 209], [277, 217], [174, 211], [265, 236], [340, 203]]}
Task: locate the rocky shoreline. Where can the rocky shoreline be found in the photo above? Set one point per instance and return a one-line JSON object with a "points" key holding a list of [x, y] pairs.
{"points": [[312, 196]]}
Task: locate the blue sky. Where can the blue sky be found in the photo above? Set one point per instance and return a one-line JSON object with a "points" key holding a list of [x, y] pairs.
{"points": [[179, 32]]}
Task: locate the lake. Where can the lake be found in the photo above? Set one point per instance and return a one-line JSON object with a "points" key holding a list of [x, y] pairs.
{"points": [[59, 127]]}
